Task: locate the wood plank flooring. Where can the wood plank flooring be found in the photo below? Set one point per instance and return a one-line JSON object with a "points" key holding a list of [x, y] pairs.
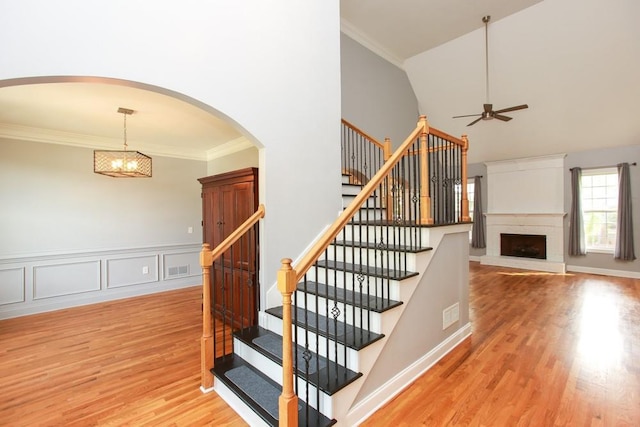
{"points": [[546, 350]]}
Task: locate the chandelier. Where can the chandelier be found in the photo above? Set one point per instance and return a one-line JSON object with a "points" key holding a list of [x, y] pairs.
{"points": [[122, 164]]}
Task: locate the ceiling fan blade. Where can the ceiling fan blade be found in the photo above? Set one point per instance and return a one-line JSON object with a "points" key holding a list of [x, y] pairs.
{"points": [[468, 115], [487, 107], [503, 118], [475, 121], [517, 107]]}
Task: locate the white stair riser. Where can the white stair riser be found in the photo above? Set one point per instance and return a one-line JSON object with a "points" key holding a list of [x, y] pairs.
{"points": [[274, 371], [373, 285], [356, 316], [351, 189], [318, 344], [374, 258], [386, 234], [372, 201], [370, 215]]}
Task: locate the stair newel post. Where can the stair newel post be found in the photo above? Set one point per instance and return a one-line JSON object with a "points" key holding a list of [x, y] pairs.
{"points": [[389, 182], [288, 402], [206, 342], [465, 197], [425, 198]]}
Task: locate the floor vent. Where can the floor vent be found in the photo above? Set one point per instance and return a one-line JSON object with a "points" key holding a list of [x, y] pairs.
{"points": [[181, 270]]}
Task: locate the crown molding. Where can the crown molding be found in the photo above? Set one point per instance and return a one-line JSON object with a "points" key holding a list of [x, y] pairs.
{"points": [[350, 30], [230, 147], [49, 136]]}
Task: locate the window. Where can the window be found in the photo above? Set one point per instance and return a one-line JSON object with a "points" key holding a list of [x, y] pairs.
{"points": [[470, 197], [599, 198]]}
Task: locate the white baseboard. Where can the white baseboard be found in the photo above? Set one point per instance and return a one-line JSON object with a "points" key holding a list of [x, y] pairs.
{"points": [[474, 258], [604, 271], [367, 407]]}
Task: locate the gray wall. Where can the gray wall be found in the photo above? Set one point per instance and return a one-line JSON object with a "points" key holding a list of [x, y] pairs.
{"points": [[376, 95], [419, 330], [71, 237], [603, 158]]}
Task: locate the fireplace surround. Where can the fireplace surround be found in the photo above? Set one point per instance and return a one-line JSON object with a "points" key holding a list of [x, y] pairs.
{"points": [[526, 197]]}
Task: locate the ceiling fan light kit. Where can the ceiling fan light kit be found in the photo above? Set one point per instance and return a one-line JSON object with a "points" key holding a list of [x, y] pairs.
{"points": [[488, 112]]}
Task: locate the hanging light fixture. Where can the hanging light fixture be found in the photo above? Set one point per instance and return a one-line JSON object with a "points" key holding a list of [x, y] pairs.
{"points": [[122, 164]]}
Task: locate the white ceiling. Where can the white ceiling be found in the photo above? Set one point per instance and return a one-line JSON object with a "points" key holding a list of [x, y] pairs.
{"points": [[400, 29], [85, 113]]}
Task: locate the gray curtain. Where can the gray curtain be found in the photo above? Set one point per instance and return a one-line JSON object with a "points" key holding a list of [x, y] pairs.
{"points": [[577, 245], [477, 231], [624, 241]]}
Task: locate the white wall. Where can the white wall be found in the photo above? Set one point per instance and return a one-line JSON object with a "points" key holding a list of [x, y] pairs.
{"points": [[272, 68], [575, 62]]}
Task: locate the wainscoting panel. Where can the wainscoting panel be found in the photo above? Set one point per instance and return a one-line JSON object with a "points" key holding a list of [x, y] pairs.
{"points": [[65, 279], [36, 283], [132, 271], [12, 285]]}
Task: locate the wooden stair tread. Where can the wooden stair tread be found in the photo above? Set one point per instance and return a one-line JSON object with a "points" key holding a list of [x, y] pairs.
{"points": [[270, 390], [322, 373], [356, 299], [348, 335], [366, 270]]}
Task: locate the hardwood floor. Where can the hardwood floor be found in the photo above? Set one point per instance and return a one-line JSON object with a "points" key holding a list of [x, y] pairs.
{"points": [[546, 350]]}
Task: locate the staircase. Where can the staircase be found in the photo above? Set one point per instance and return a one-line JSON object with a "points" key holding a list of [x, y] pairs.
{"points": [[353, 288], [254, 371]]}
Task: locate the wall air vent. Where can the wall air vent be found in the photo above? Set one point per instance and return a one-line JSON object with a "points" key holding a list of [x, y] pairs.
{"points": [[181, 270]]}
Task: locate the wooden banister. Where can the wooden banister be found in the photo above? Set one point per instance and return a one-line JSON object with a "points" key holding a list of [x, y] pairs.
{"points": [[363, 133], [288, 401], [207, 257], [314, 253], [446, 136], [464, 209]]}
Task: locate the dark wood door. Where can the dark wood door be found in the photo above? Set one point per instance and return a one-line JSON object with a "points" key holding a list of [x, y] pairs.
{"points": [[228, 200]]}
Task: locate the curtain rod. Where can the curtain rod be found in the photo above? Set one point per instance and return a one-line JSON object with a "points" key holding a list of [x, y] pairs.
{"points": [[602, 167]]}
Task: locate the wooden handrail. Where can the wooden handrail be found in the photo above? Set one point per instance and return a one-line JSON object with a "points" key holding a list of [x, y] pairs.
{"points": [[237, 233], [314, 253], [207, 257], [444, 135], [363, 133]]}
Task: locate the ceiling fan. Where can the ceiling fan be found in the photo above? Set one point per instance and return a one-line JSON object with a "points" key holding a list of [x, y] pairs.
{"points": [[488, 112]]}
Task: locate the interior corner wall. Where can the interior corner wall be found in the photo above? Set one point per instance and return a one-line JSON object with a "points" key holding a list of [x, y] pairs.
{"points": [[376, 95], [248, 158], [271, 69], [602, 158]]}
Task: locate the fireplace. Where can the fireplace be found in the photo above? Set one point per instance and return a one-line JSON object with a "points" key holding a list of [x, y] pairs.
{"points": [[523, 245]]}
